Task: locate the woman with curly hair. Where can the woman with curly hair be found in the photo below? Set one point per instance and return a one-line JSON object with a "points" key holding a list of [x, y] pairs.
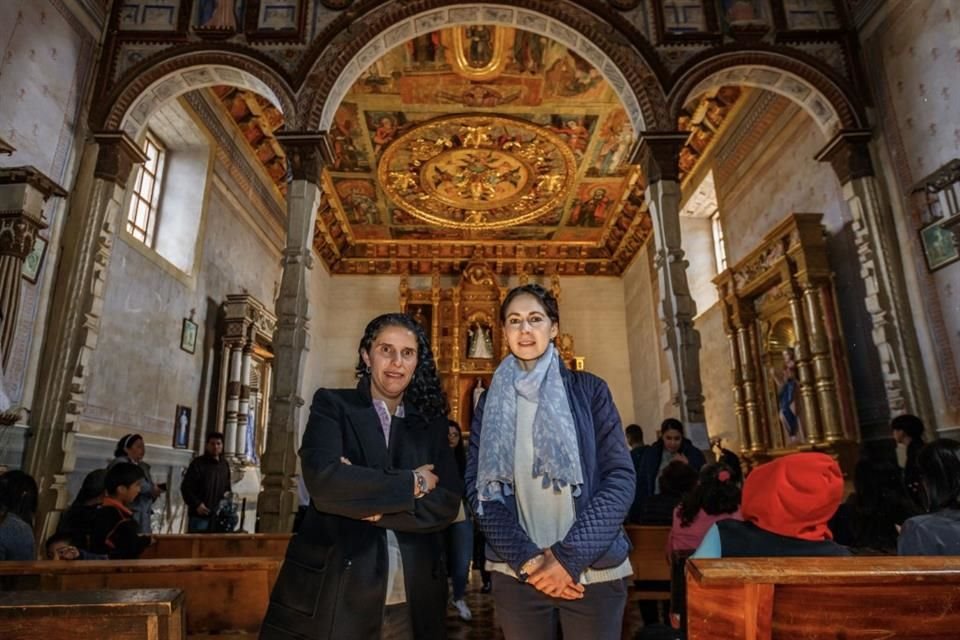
{"points": [[937, 532], [716, 497], [367, 561]]}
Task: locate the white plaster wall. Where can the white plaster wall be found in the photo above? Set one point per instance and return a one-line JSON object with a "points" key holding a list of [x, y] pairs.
{"points": [[352, 302], [911, 49], [697, 242], [593, 310], [647, 377], [138, 373], [46, 61], [318, 360]]}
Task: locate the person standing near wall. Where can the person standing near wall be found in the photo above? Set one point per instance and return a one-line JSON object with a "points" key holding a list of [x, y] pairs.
{"points": [[131, 448], [206, 480]]}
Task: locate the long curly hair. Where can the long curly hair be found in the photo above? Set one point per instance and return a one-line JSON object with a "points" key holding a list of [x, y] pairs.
{"points": [[717, 492], [424, 391]]}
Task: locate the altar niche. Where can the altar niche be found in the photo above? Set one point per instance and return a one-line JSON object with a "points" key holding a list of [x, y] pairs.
{"points": [[463, 325], [791, 381]]}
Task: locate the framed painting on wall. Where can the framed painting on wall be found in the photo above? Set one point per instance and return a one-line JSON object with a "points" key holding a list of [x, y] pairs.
{"points": [[939, 246], [34, 260], [188, 335]]}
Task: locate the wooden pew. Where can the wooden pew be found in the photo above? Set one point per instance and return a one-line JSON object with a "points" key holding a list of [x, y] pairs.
{"points": [[222, 594], [218, 545], [819, 598], [651, 569], [130, 614]]}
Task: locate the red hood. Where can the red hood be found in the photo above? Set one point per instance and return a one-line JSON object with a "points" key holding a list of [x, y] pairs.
{"points": [[794, 496]]}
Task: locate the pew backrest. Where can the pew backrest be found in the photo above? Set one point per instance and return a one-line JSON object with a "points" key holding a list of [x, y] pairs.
{"points": [[129, 614], [651, 568], [821, 598], [222, 594], [218, 545]]}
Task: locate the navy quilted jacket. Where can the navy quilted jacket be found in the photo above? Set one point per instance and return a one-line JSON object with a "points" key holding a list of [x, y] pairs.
{"points": [[597, 538]]}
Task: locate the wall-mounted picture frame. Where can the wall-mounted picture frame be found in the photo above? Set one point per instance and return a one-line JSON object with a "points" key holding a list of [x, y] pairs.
{"points": [[34, 260], [181, 427], [939, 247], [188, 336]]}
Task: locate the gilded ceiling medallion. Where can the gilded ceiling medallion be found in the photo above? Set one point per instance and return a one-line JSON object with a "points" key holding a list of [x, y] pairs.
{"points": [[477, 172]]}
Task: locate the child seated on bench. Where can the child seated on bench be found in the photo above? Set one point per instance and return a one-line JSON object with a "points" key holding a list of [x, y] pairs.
{"points": [[115, 532]]}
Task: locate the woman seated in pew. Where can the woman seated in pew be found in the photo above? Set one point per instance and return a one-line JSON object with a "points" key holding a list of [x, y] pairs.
{"points": [[936, 533], [786, 505], [18, 504], [115, 533], [869, 520], [716, 497], [77, 521], [367, 561]]}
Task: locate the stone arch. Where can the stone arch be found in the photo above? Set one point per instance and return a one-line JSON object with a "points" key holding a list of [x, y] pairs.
{"points": [[819, 91], [143, 90], [616, 49]]}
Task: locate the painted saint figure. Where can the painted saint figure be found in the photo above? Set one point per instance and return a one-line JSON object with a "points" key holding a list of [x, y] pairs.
{"points": [[788, 388], [480, 52]]}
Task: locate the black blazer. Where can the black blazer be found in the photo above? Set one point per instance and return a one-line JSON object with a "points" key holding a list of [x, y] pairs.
{"points": [[334, 578]]}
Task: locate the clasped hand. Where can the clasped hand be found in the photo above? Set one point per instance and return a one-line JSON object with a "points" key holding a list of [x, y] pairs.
{"points": [[553, 580]]}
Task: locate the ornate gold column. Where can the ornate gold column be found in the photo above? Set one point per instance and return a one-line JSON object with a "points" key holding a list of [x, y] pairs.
{"points": [[307, 153], [23, 193], [243, 404], [71, 336], [731, 328], [658, 154], [810, 409]]}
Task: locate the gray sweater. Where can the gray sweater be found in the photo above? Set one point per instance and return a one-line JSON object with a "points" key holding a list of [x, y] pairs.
{"points": [[16, 539]]}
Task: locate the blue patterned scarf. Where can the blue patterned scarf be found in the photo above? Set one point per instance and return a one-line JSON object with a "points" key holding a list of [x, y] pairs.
{"points": [[556, 454]]}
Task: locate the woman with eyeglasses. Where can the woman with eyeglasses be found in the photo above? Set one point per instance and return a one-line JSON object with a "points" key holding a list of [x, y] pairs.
{"points": [[551, 480], [367, 561]]}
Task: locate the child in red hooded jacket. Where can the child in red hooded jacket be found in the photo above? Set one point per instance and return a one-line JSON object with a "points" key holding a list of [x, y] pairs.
{"points": [[786, 505]]}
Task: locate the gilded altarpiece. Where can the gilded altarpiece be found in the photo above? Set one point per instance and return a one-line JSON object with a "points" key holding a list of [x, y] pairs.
{"points": [[462, 323], [791, 386]]}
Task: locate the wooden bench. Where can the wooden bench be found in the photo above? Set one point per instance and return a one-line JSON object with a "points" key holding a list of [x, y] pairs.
{"points": [[819, 598], [130, 614], [651, 569], [218, 545], [222, 594]]}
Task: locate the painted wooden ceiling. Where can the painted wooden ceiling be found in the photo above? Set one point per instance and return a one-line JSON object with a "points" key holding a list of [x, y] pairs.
{"points": [[479, 142]]}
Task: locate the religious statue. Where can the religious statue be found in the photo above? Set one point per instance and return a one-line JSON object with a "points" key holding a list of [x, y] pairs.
{"points": [[477, 392], [480, 53], [787, 390], [481, 342]]}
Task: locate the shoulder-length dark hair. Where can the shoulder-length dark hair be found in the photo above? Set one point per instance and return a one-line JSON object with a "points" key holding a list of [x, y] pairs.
{"points": [[547, 300], [125, 443], [939, 464], [19, 495], [717, 492], [424, 391]]}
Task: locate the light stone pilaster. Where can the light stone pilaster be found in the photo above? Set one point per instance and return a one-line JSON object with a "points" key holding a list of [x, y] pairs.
{"points": [[71, 336], [658, 155], [307, 154]]}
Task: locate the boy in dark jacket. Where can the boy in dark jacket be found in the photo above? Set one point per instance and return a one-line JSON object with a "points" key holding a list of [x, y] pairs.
{"points": [[115, 532]]}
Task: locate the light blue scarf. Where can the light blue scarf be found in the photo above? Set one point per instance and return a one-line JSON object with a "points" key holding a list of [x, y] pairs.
{"points": [[556, 454]]}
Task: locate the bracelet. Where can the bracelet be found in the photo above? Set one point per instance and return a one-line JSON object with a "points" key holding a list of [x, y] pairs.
{"points": [[529, 566]]}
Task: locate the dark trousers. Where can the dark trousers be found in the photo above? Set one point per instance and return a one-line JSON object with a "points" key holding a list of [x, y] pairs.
{"points": [[523, 612]]}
